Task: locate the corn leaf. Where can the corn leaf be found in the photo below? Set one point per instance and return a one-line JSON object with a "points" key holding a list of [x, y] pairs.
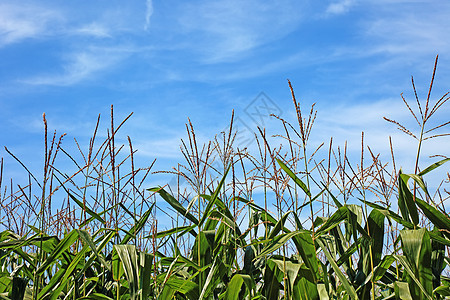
{"points": [[294, 177], [346, 284], [174, 203]]}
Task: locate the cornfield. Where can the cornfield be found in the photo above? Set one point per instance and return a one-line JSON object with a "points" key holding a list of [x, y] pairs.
{"points": [[286, 222]]}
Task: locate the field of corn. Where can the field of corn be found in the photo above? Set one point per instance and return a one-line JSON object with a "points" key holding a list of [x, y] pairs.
{"points": [[286, 222]]}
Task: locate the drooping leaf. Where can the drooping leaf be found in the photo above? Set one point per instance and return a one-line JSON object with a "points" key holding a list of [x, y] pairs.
{"points": [[442, 290], [305, 287], [390, 214], [171, 231], [177, 285], [402, 290], [305, 247], [439, 219], [338, 216], [433, 166], [272, 281], [234, 287], [294, 177], [278, 241], [86, 208], [174, 203]]}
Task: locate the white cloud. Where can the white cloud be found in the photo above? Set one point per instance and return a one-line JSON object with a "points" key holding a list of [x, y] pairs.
{"points": [[224, 30], [346, 122], [19, 22], [82, 65], [148, 14], [95, 30], [339, 7], [406, 31], [160, 148]]}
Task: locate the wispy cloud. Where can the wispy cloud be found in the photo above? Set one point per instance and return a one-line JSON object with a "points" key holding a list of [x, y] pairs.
{"points": [[82, 46], [19, 22], [148, 13], [225, 30], [345, 123], [411, 32], [94, 29], [82, 65], [339, 7]]}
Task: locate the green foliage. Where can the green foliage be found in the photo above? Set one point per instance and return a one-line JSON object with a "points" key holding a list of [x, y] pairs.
{"points": [[349, 251]]}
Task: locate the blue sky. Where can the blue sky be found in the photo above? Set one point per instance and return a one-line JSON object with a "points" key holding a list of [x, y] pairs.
{"points": [[170, 60]]}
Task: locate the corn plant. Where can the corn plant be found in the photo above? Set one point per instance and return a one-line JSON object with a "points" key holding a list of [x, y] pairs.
{"points": [[239, 229]]}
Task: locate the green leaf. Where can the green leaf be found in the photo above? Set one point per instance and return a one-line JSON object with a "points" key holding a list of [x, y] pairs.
{"points": [[336, 201], [416, 246], [217, 271], [410, 270], [305, 288], [294, 177], [179, 261], [87, 239], [439, 219], [96, 296], [419, 180], [346, 284], [278, 241], [382, 267], [376, 231], [333, 221], [213, 198], [146, 265], [272, 281], [18, 288], [305, 246], [390, 214], [279, 226], [234, 287], [185, 287], [60, 278], [86, 208], [68, 241], [434, 166], [174, 203], [402, 291], [171, 231], [406, 200], [442, 290], [138, 226], [291, 270], [371, 252], [128, 257]]}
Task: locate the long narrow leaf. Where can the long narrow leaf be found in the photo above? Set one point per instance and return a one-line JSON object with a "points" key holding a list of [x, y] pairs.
{"points": [[347, 286], [434, 166], [174, 203], [68, 241], [138, 226], [294, 177], [212, 201]]}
